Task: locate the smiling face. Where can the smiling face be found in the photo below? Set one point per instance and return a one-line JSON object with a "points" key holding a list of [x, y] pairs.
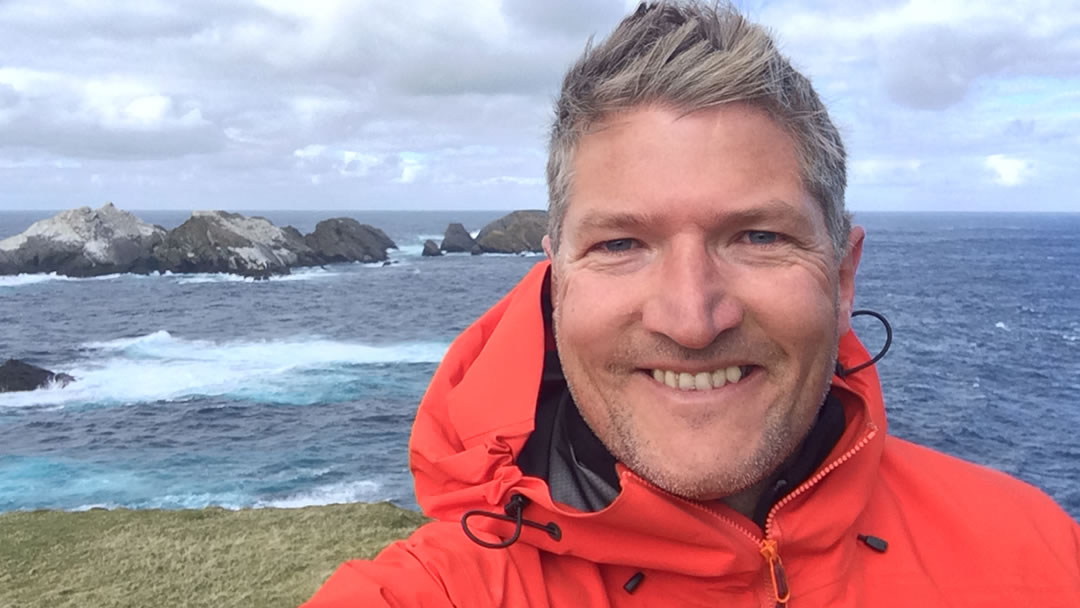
{"points": [[697, 300]]}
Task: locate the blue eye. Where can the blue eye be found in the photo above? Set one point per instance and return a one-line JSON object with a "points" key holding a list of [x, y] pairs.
{"points": [[618, 245], [762, 237]]}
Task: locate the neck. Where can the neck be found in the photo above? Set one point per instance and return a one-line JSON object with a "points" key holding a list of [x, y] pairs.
{"points": [[746, 500]]}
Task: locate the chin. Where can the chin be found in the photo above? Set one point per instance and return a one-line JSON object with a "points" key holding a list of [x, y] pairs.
{"points": [[699, 479]]}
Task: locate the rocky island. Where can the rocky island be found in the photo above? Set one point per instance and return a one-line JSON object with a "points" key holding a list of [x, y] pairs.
{"points": [[87, 242]]}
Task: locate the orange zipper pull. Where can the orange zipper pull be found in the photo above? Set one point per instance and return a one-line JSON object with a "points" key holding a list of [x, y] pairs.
{"points": [[771, 552]]}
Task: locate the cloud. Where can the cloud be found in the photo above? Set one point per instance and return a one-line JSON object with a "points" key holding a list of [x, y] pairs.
{"points": [[1009, 171], [431, 103], [99, 117], [574, 19], [930, 53], [879, 170]]}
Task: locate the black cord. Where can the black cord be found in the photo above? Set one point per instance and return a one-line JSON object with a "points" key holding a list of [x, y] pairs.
{"points": [[841, 371], [514, 514]]}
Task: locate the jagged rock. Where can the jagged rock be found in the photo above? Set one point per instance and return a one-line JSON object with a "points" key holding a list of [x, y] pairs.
{"points": [[218, 241], [458, 240], [83, 242], [16, 375], [431, 249], [292, 232], [344, 239], [517, 232]]}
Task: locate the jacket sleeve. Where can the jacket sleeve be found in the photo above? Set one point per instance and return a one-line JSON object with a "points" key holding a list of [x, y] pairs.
{"points": [[396, 578]]}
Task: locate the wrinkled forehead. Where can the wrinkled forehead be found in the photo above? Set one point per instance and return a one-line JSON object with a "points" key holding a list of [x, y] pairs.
{"points": [[633, 166]]}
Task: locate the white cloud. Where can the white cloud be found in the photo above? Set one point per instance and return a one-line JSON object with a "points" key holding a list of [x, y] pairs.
{"points": [[877, 169], [1009, 171], [412, 166], [357, 164], [310, 151]]}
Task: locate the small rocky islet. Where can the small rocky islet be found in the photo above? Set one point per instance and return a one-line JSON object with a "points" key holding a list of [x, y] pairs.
{"points": [[17, 375], [87, 242]]}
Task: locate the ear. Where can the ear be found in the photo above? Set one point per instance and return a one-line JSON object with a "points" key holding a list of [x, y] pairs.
{"points": [[846, 279], [546, 243]]}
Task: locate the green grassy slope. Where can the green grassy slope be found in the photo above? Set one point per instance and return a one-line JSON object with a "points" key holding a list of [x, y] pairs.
{"points": [[210, 557]]}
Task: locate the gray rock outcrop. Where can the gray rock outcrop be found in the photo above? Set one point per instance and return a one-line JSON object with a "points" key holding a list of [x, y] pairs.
{"points": [[517, 232], [218, 241], [458, 240], [16, 375], [83, 242], [431, 249], [344, 239]]}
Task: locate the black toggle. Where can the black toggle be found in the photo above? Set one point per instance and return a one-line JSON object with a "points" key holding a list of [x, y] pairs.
{"points": [[840, 371], [514, 510], [875, 543]]}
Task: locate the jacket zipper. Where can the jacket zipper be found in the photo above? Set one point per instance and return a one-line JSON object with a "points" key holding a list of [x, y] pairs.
{"points": [[768, 547]]}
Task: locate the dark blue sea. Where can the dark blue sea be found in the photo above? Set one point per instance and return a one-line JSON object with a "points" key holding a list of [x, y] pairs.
{"points": [[198, 390]]}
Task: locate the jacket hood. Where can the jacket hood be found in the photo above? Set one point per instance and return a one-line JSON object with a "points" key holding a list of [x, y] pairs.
{"points": [[479, 410]]}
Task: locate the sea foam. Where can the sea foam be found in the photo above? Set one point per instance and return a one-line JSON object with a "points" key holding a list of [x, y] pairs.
{"points": [[163, 367]]}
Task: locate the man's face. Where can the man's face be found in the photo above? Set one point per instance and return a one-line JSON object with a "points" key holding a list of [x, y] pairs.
{"points": [[698, 303]]}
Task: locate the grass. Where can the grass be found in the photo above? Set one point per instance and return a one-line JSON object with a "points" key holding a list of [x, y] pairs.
{"points": [[209, 557]]}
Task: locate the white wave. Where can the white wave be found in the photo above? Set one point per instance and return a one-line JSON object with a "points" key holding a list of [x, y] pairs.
{"points": [[365, 490], [208, 277], [1001, 325], [336, 493], [162, 367], [414, 250], [18, 280], [524, 254], [393, 262], [298, 274]]}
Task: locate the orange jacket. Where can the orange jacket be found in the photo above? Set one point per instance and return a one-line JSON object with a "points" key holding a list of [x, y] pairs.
{"points": [[957, 534]]}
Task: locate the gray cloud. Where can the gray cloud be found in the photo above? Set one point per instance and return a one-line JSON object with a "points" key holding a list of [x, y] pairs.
{"points": [[934, 66], [575, 19]]}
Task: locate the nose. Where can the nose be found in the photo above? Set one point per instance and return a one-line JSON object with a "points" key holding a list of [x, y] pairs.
{"points": [[691, 300]]}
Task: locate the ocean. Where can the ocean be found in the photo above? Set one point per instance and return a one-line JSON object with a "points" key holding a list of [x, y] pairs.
{"points": [[197, 390]]}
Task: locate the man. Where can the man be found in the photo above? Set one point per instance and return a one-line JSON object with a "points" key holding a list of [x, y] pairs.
{"points": [[663, 415]]}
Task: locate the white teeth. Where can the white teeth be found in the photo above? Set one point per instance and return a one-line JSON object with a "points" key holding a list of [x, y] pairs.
{"points": [[686, 381], [701, 381], [671, 379], [719, 378]]}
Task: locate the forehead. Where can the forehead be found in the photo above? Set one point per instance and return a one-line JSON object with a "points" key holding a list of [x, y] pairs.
{"points": [[654, 160]]}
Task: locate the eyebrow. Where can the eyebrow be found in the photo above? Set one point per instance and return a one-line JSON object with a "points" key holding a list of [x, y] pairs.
{"points": [[771, 209]]}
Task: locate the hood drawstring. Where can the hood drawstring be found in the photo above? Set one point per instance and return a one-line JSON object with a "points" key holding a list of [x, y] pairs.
{"points": [[841, 371], [514, 510]]}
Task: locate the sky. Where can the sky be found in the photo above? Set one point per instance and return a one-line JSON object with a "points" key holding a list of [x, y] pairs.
{"points": [[427, 104]]}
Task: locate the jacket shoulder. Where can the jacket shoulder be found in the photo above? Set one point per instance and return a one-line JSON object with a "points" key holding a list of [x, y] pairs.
{"points": [[960, 484], [973, 521]]}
